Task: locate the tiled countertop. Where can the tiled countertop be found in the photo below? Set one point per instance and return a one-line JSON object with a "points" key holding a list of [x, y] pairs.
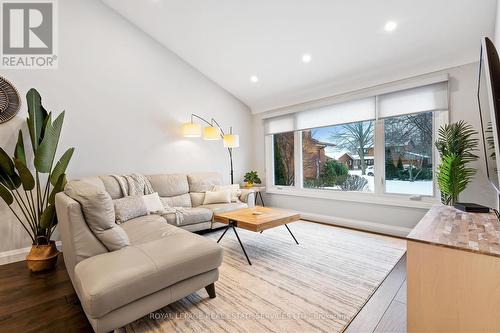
{"points": [[450, 227]]}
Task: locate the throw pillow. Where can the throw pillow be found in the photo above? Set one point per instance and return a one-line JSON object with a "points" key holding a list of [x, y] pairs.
{"points": [[153, 202], [128, 208], [234, 188], [99, 213], [213, 197]]}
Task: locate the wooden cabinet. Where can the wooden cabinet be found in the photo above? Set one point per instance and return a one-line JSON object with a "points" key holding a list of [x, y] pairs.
{"points": [[453, 272]]}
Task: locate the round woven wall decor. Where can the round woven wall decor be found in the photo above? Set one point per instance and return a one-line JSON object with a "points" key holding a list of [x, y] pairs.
{"points": [[9, 100]]}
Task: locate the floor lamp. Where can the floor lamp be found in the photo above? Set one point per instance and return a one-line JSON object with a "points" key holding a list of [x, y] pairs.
{"points": [[212, 132]]}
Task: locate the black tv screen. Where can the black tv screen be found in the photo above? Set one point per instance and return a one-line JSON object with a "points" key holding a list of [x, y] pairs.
{"points": [[488, 95]]}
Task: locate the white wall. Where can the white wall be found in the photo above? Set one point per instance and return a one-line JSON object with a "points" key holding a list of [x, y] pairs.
{"points": [[497, 26], [125, 98], [396, 220]]}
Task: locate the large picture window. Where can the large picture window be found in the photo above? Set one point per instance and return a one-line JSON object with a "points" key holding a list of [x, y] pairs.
{"points": [[381, 144], [339, 157]]}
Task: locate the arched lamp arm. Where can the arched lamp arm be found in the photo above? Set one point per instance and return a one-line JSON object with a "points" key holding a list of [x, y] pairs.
{"points": [[211, 123]]}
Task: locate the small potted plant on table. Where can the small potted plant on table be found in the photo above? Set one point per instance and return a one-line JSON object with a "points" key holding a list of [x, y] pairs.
{"points": [[251, 178]]}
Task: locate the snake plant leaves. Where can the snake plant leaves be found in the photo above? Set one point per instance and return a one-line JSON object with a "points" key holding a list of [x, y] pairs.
{"points": [[6, 195], [58, 187], [35, 117], [48, 217], [25, 175], [19, 152], [45, 154], [61, 166]]}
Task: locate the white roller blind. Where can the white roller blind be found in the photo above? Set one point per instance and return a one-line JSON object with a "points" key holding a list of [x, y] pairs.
{"points": [[430, 97], [280, 124], [341, 113], [433, 97]]}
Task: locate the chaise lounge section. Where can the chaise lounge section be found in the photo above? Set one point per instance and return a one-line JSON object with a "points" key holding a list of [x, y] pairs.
{"points": [[162, 262]]}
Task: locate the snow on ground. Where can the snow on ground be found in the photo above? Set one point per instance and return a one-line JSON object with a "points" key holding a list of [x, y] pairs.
{"points": [[423, 187]]}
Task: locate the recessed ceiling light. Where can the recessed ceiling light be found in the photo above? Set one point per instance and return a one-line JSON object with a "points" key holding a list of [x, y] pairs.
{"points": [[306, 58], [254, 79], [390, 26]]}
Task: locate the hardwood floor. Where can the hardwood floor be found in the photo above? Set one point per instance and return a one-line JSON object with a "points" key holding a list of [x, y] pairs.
{"points": [[46, 302], [41, 302], [385, 311]]}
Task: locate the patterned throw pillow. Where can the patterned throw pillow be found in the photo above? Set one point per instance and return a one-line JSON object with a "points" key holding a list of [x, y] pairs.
{"points": [[128, 208]]}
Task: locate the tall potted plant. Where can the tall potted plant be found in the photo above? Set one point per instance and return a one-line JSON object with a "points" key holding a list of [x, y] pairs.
{"points": [[34, 194], [456, 145]]}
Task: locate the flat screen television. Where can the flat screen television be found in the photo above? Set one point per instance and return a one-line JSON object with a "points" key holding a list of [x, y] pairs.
{"points": [[488, 95]]}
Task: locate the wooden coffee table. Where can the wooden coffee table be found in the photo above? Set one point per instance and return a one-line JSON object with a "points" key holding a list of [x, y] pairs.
{"points": [[256, 219]]}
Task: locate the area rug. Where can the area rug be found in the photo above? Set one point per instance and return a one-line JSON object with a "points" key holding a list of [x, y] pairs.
{"points": [[317, 286]]}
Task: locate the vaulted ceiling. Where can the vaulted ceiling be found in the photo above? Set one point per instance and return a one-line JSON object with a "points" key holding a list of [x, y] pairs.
{"points": [[230, 41]]}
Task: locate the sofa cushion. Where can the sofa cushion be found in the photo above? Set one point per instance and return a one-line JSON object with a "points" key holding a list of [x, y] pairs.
{"points": [[129, 207], [169, 185], [148, 228], [112, 187], [225, 207], [183, 200], [190, 216], [203, 181], [99, 213], [111, 280], [197, 198], [96, 181]]}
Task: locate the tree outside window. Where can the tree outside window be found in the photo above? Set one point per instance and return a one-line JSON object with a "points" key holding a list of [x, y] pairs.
{"points": [[408, 154], [284, 169]]}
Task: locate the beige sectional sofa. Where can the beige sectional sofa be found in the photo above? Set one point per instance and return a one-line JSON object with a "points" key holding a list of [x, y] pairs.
{"points": [[163, 262]]}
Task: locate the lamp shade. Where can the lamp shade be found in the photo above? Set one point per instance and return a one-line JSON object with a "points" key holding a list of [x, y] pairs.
{"points": [[231, 141], [211, 133], [190, 130]]}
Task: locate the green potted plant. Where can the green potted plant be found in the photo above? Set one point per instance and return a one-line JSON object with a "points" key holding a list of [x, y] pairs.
{"points": [[251, 178], [456, 145], [34, 193]]}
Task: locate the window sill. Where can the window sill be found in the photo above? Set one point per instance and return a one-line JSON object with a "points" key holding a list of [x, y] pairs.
{"points": [[397, 200]]}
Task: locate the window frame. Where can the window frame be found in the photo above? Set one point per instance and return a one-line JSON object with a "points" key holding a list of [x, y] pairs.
{"points": [[379, 195]]}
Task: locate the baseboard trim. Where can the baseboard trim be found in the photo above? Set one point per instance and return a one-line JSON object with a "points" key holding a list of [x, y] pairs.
{"points": [[357, 224], [16, 255]]}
